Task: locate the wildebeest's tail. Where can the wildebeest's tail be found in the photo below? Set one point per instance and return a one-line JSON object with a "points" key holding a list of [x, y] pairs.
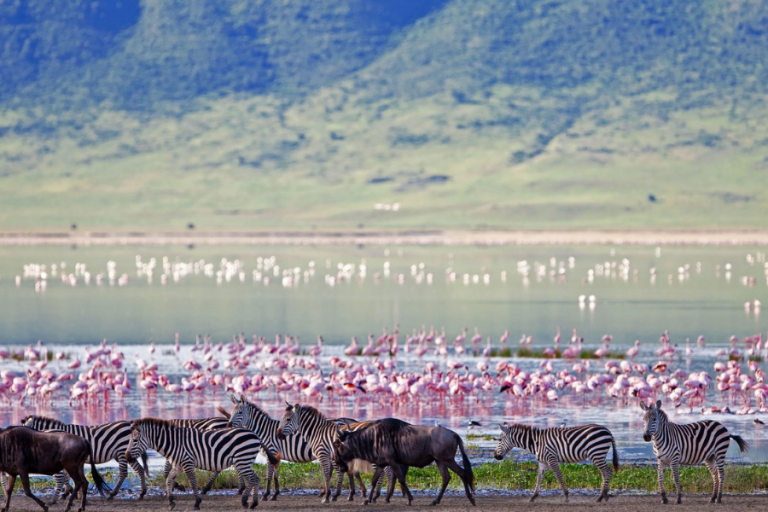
{"points": [[145, 462], [224, 412], [470, 476], [101, 485], [615, 456], [743, 446]]}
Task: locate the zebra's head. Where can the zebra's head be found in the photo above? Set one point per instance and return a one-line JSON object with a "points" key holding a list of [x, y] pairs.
{"points": [[239, 416], [651, 419], [137, 443], [29, 421], [290, 423], [507, 441]]}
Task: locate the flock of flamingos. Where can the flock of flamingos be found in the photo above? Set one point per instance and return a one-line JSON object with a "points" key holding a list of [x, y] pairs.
{"points": [[284, 366]]}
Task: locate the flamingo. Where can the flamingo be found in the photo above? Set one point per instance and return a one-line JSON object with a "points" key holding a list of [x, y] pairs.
{"points": [[633, 351], [504, 337], [487, 350], [353, 348]]}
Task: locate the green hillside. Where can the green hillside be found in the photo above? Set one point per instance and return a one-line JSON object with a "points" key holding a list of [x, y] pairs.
{"points": [[273, 114]]}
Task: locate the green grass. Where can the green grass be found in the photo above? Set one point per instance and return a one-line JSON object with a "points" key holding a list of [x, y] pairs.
{"points": [[506, 475]]}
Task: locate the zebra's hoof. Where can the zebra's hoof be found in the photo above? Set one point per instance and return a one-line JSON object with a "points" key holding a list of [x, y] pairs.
{"points": [[254, 504], [171, 505]]}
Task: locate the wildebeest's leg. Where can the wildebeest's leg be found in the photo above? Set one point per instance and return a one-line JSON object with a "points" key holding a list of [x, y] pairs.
{"points": [[189, 470], [400, 474], [81, 485], [446, 479], [9, 491], [25, 483], [363, 490], [140, 471], [352, 485], [453, 466], [376, 475]]}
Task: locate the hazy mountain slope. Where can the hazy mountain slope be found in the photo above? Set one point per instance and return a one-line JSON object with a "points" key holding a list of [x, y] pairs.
{"points": [[468, 113]]}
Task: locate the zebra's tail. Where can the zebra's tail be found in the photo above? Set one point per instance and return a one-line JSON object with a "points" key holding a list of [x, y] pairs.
{"points": [[468, 473], [145, 463], [273, 459], [615, 456], [223, 412], [101, 485], [743, 445]]}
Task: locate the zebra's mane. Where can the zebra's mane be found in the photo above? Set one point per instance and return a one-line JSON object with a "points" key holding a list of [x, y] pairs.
{"points": [[256, 408], [156, 422], [311, 413], [46, 419], [520, 427]]}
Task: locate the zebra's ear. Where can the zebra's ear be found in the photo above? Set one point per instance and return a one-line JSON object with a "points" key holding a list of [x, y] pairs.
{"points": [[504, 428], [242, 398], [234, 400], [297, 406], [658, 404], [643, 406]]}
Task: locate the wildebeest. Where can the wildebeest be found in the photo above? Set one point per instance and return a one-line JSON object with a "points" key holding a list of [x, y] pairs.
{"points": [[397, 444], [24, 451]]}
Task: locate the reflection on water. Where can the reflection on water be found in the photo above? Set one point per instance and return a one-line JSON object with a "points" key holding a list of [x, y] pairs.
{"points": [[631, 293]]}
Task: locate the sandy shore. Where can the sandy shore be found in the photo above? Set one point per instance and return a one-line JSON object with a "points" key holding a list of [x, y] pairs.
{"points": [[483, 238], [625, 503]]}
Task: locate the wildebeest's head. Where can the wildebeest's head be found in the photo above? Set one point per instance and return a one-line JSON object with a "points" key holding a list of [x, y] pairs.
{"points": [[342, 453], [290, 423], [238, 416], [651, 419]]}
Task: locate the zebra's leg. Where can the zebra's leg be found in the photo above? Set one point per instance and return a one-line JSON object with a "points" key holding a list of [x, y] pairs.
{"points": [[662, 467], [277, 482], [339, 480], [166, 472], [189, 470], [209, 485], [327, 469], [556, 470], [170, 480], [62, 481], [676, 477], [539, 477], [606, 473], [270, 471], [721, 478], [142, 477], [712, 467], [245, 471], [122, 473], [9, 491]]}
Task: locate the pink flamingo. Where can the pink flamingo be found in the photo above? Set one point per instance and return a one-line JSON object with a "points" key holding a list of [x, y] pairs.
{"points": [[633, 351], [353, 348]]}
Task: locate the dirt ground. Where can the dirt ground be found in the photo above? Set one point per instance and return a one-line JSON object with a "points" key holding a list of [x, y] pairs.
{"points": [[624, 503]]}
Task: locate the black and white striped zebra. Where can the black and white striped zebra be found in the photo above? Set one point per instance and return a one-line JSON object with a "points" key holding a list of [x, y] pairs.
{"points": [[200, 424], [694, 443], [320, 432], [209, 450], [291, 448], [108, 441], [551, 446]]}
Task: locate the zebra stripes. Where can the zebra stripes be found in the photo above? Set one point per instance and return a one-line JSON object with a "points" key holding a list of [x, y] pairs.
{"points": [[108, 442], [694, 443], [292, 448], [210, 450], [200, 424], [320, 432], [551, 446]]}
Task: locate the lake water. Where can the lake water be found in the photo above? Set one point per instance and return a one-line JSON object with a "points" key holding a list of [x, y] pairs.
{"points": [[340, 292]]}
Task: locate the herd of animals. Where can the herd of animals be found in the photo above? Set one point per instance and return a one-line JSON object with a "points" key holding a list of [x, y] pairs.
{"points": [[50, 447]]}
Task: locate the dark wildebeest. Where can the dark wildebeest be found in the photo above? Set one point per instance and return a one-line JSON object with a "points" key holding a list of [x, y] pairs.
{"points": [[24, 451], [397, 444]]}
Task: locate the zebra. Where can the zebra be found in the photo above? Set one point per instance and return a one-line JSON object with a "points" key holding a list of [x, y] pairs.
{"points": [[551, 446], [200, 424], [108, 441], [210, 450], [694, 443], [292, 448]]}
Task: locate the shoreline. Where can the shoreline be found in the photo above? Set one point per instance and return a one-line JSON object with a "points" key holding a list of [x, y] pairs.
{"points": [[409, 237]]}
